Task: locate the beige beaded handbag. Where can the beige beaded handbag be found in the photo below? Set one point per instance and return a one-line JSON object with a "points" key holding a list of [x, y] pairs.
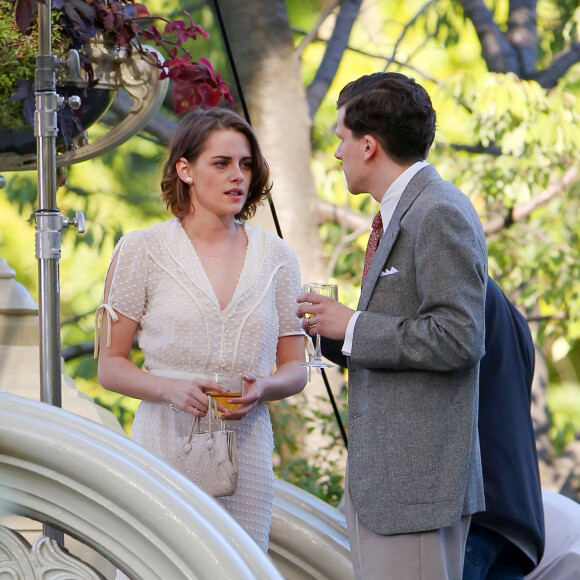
{"points": [[210, 458]]}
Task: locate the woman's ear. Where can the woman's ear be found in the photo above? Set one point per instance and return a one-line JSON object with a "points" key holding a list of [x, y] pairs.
{"points": [[183, 170]]}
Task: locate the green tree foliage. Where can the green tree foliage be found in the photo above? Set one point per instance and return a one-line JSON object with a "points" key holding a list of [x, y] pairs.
{"points": [[508, 136], [509, 143]]}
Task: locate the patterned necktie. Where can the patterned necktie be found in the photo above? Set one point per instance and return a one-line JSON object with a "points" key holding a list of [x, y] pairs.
{"points": [[373, 244]]}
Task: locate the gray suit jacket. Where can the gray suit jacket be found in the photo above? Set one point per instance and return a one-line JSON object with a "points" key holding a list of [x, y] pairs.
{"points": [[414, 462]]}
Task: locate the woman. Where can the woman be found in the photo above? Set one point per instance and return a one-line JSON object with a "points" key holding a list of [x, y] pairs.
{"points": [[206, 293]]}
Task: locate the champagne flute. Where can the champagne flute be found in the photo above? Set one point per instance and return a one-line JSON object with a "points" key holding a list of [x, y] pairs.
{"points": [[330, 290]]}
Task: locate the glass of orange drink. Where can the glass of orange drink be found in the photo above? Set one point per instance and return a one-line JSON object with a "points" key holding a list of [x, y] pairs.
{"points": [[234, 384]]}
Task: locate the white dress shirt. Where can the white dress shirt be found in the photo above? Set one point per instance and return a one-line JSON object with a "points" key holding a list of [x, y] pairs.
{"points": [[387, 209]]}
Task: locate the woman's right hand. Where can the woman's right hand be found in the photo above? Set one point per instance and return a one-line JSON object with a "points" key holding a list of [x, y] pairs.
{"points": [[190, 396]]}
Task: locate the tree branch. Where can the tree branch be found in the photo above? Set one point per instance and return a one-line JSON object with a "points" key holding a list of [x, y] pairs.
{"points": [[74, 319], [555, 316], [344, 216], [497, 52], [406, 64], [549, 77], [77, 350], [521, 212], [522, 34], [402, 35], [479, 149], [424, 74], [313, 34], [517, 52], [335, 48], [354, 221]]}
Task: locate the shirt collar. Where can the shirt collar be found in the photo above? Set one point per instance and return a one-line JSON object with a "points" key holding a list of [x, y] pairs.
{"points": [[395, 191]]}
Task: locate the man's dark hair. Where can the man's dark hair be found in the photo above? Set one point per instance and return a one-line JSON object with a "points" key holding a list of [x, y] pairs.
{"points": [[395, 110]]}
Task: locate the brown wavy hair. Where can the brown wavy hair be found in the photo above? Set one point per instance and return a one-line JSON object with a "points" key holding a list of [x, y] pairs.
{"points": [[189, 142]]}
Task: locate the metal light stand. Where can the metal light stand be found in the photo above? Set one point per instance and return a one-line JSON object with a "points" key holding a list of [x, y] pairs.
{"points": [[49, 221]]}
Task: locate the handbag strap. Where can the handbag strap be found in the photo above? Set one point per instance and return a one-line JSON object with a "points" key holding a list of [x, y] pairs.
{"points": [[193, 424], [213, 412]]}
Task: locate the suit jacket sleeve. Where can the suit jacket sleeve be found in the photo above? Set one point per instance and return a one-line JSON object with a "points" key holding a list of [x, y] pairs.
{"points": [[332, 350]]}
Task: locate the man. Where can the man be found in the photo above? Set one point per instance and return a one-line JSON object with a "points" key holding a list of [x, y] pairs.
{"points": [[506, 541], [414, 344]]}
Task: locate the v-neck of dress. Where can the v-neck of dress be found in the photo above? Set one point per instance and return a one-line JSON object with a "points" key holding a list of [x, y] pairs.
{"points": [[207, 286]]}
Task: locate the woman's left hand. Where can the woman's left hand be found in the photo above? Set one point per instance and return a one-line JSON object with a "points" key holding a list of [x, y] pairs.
{"points": [[253, 394]]}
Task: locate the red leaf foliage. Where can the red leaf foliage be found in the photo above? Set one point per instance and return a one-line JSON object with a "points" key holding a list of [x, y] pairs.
{"points": [[194, 86], [195, 83], [25, 10]]}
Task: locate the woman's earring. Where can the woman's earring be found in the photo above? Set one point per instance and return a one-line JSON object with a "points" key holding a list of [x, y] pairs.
{"points": [[189, 180]]}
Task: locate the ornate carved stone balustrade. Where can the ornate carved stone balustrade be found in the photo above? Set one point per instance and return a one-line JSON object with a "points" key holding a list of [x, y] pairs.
{"points": [[111, 494]]}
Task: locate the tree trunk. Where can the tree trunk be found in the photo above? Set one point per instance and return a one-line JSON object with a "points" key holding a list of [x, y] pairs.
{"points": [[269, 70]]}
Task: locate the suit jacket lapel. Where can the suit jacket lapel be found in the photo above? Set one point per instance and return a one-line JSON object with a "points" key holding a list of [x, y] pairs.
{"points": [[412, 191], [380, 257]]}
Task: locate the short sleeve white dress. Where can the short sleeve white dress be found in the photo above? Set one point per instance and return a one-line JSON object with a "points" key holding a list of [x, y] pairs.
{"points": [[160, 283]]}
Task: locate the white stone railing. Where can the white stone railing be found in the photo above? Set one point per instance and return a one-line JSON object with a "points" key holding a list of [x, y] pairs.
{"points": [[109, 493], [308, 537]]}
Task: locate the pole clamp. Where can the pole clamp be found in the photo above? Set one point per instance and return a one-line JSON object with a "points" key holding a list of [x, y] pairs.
{"points": [[45, 119], [78, 222], [49, 224]]}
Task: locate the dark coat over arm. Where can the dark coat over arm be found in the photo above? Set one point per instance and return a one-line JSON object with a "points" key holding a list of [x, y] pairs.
{"points": [[511, 479]]}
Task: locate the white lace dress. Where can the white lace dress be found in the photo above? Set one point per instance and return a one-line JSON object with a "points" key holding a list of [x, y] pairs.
{"points": [[160, 283]]}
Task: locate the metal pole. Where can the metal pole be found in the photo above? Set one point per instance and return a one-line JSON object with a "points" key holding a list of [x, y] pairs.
{"points": [[48, 219], [48, 222], [335, 409]]}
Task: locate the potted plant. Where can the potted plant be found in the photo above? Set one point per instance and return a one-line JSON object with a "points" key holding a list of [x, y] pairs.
{"points": [[104, 32]]}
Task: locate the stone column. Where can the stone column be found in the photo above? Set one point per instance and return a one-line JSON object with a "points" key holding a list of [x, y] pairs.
{"points": [[19, 353]]}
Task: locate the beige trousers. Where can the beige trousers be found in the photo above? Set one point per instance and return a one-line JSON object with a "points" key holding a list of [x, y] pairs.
{"points": [[433, 555]]}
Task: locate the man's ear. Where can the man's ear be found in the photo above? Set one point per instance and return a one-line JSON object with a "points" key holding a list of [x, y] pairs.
{"points": [[370, 147]]}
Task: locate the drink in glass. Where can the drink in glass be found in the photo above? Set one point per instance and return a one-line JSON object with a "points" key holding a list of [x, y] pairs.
{"points": [[234, 385], [330, 290]]}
